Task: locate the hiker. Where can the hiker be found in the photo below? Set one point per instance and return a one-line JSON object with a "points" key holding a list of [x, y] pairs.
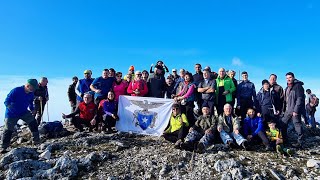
{"points": [[178, 126], [268, 103], [207, 90], [130, 74], [145, 75], [174, 74], [72, 94], [108, 110], [119, 86], [246, 95], [277, 88], [179, 82], [137, 87], [128, 78], [203, 131], [232, 74], [224, 90], [160, 65], [253, 129], [213, 75], [156, 84], [101, 86], [112, 73], [228, 127], [197, 79], [186, 97], [169, 87], [276, 141], [41, 96], [87, 111], [83, 85], [311, 104], [17, 103], [294, 106]]}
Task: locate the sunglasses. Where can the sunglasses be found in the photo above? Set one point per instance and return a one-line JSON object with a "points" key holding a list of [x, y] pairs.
{"points": [[174, 109], [139, 74]]}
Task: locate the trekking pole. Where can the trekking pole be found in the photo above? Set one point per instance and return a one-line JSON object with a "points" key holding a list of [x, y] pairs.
{"points": [[48, 111], [41, 111]]}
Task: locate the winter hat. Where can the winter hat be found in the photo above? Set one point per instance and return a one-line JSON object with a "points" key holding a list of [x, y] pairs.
{"points": [[33, 83], [265, 81], [131, 68]]}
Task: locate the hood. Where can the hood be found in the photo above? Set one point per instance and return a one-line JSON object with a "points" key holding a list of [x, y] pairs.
{"points": [[296, 81]]}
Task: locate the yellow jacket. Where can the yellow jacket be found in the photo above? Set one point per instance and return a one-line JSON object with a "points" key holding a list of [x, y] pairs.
{"points": [[175, 123], [273, 135]]}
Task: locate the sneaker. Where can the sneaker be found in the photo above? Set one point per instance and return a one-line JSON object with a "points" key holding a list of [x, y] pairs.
{"points": [[289, 152], [279, 149], [3, 150], [201, 147], [178, 144]]}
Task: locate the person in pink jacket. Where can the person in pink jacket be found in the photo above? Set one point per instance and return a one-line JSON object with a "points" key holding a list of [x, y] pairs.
{"points": [[137, 87], [119, 86]]}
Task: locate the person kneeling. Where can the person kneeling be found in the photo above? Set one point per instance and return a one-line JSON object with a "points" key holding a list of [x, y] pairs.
{"points": [[228, 126], [87, 111], [203, 131], [177, 129], [253, 129], [109, 110]]}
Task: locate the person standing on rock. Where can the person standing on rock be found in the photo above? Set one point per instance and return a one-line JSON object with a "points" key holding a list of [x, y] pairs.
{"points": [[17, 103], [197, 79], [232, 74], [178, 126], [101, 86], [156, 83], [72, 94], [87, 111], [207, 90], [294, 106], [203, 131], [41, 96], [229, 126], [83, 85]]}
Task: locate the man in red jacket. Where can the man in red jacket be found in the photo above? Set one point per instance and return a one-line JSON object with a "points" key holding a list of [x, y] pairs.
{"points": [[87, 111]]}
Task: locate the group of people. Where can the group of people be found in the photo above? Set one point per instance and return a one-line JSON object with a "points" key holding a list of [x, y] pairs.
{"points": [[232, 110]]}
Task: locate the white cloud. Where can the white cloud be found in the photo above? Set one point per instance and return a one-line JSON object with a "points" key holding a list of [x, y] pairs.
{"points": [[57, 87], [236, 62]]}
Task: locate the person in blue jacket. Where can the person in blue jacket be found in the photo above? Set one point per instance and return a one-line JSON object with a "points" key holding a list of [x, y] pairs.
{"points": [[83, 85], [253, 129], [19, 105], [101, 86]]}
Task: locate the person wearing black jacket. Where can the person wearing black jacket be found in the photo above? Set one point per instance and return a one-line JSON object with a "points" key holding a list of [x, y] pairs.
{"points": [[72, 94], [294, 106], [157, 84], [41, 96], [163, 67]]}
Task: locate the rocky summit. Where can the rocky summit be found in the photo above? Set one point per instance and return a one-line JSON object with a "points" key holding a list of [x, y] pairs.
{"points": [[87, 155]]}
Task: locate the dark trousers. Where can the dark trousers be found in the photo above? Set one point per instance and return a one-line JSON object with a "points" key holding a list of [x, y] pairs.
{"points": [[9, 124], [199, 101], [188, 111], [79, 122], [176, 135], [108, 122], [245, 104], [210, 104], [38, 108], [296, 120], [261, 137], [221, 101]]}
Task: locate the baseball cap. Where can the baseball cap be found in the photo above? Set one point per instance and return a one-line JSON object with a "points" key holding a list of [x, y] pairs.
{"points": [[87, 72], [174, 70]]}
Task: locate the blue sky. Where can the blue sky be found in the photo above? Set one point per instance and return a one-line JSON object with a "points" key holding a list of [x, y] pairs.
{"points": [[60, 39]]}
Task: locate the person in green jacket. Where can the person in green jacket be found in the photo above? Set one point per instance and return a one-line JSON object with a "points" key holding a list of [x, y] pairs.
{"points": [[224, 90]]}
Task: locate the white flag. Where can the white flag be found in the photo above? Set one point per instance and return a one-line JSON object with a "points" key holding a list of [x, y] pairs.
{"points": [[143, 115]]}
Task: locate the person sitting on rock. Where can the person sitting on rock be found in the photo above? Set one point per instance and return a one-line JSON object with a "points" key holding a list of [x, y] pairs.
{"points": [[203, 131], [276, 141], [228, 127], [177, 129], [253, 129], [108, 110], [87, 111]]}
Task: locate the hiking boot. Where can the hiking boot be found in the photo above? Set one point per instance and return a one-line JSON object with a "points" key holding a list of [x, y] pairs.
{"points": [[201, 147], [3, 150], [230, 144], [244, 145], [279, 149], [188, 145], [177, 145], [289, 152]]}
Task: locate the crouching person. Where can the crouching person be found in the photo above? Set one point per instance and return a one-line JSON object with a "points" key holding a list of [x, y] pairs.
{"points": [[87, 111], [253, 129], [177, 129], [108, 109], [274, 134], [203, 131], [17, 103], [228, 127]]}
